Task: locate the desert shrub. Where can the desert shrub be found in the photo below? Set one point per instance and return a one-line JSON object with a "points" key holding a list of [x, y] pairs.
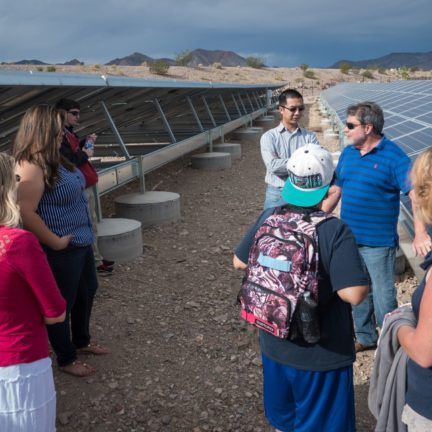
{"points": [[304, 67], [381, 70], [299, 80], [367, 74], [309, 73], [51, 69], [217, 65], [97, 66], [40, 69], [255, 62], [159, 67], [345, 68], [183, 58], [414, 69], [404, 72]]}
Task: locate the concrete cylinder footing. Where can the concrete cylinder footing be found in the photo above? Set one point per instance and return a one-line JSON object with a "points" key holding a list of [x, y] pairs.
{"points": [[212, 161], [150, 208], [119, 240], [234, 149], [248, 134], [266, 122]]}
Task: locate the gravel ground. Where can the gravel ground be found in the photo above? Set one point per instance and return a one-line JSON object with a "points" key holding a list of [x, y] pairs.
{"points": [[182, 359]]}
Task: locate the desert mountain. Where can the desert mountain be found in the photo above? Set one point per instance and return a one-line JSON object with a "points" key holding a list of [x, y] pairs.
{"points": [[393, 60], [199, 56]]}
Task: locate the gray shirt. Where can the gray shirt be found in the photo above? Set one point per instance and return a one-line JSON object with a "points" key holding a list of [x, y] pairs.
{"points": [[277, 146]]}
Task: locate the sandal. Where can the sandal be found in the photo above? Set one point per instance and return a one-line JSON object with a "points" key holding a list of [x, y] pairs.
{"points": [[93, 348], [78, 369]]}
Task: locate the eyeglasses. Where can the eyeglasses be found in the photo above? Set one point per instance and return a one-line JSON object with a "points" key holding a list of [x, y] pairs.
{"points": [[352, 126], [74, 113], [17, 177], [293, 109]]}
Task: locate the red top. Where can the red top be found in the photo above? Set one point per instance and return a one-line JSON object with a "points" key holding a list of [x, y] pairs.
{"points": [[28, 292]]}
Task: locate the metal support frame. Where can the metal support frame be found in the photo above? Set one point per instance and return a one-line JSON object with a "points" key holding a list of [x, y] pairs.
{"points": [[208, 111], [164, 120], [236, 105], [250, 101], [115, 130], [257, 100], [242, 104], [194, 113], [224, 107]]}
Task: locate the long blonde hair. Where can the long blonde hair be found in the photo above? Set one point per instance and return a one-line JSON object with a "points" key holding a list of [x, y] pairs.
{"points": [[421, 178], [9, 210], [38, 140]]}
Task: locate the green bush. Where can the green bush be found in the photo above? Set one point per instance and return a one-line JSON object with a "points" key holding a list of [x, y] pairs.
{"points": [[414, 69], [183, 58], [367, 74], [404, 72], [345, 68], [304, 67], [159, 67], [382, 71], [217, 65], [255, 62], [40, 69], [51, 69], [309, 74]]}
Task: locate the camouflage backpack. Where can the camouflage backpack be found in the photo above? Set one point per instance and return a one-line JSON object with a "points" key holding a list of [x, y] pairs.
{"points": [[282, 265]]}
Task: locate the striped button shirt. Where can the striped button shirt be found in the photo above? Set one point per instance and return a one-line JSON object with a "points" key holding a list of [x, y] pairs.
{"points": [[277, 146], [371, 185], [64, 209]]}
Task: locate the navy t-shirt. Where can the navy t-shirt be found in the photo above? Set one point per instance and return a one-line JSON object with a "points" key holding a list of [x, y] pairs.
{"points": [[340, 267], [419, 379]]}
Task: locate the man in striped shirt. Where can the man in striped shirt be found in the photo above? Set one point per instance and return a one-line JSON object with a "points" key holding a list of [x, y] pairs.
{"points": [[371, 174], [279, 143]]}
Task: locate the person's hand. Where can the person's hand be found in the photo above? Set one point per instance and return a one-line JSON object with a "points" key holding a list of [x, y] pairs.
{"points": [[88, 151], [92, 137], [422, 244], [62, 242]]}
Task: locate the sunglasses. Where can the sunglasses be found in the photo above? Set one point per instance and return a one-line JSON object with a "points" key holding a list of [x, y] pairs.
{"points": [[17, 177], [74, 113], [293, 109], [352, 126]]}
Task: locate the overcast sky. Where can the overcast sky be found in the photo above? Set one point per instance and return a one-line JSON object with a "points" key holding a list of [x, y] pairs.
{"points": [[282, 32]]}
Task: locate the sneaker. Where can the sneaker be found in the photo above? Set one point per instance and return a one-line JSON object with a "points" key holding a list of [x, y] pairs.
{"points": [[104, 270], [108, 263]]}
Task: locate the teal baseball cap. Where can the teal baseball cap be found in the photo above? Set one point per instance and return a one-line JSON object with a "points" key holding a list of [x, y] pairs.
{"points": [[310, 172]]}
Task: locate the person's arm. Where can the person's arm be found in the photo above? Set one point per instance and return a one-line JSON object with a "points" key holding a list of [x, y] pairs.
{"points": [[270, 156], [55, 320], [417, 342], [353, 295], [332, 199], [28, 259], [422, 243], [30, 190], [238, 264]]}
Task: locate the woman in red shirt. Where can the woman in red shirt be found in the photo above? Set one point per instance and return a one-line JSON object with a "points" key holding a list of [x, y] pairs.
{"points": [[29, 299]]}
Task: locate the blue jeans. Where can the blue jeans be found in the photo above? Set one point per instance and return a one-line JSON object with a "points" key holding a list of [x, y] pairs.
{"points": [[273, 197], [74, 271], [381, 299]]}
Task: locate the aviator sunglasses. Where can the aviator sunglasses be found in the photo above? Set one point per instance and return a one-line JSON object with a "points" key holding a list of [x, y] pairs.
{"points": [[74, 113], [352, 126], [293, 109]]}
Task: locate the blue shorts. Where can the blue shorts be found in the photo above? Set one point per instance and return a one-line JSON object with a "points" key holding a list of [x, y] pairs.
{"points": [[305, 401]]}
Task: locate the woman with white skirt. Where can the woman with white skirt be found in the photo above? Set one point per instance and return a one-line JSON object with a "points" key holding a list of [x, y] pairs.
{"points": [[29, 299]]}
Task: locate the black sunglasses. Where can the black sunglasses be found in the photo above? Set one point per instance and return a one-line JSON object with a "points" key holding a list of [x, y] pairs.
{"points": [[352, 126], [74, 113], [293, 109], [17, 177]]}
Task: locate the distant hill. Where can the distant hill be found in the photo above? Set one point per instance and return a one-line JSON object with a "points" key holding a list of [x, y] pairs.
{"points": [[208, 57], [30, 62], [393, 60], [199, 57], [73, 62]]}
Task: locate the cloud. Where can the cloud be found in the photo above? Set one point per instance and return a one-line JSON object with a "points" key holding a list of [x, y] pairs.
{"points": [[287, 33]]}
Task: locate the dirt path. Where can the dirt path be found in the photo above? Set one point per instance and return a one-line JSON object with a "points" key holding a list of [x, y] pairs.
{"points": [[182, 360]]}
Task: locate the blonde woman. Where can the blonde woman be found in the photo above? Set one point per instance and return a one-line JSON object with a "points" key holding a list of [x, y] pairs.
{"points": [[417, 342], [54, 207], [29, 299]]}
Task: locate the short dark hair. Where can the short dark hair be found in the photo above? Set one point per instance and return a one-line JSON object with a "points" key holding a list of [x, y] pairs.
{"points": [[67, 104], [289, 94], [368, 113]]}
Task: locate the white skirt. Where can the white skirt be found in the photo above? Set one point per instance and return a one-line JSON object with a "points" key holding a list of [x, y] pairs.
{"points": [[27, 397]]}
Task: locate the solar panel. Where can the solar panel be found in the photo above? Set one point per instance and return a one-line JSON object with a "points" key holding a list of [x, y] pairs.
{"points": [[407, 107]]}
